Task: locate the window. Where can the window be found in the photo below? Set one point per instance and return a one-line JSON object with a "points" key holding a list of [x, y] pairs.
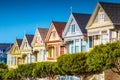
{"points": [[38, 38], [77, 48], [73, 28], [101, 16], [28, 58], [53, 34], [12, 60], [72, 49], [90, 42], [83, 45], [96, 40], [104, 38], [25, 44], [33, 58], [77, 45], [44, 55], [40, 54]]}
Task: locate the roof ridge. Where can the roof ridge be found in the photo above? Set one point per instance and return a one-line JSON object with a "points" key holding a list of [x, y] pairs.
{"points": [[108, 2]]}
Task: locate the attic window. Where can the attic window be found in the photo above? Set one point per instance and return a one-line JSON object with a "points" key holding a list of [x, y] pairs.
{"points": [[101, 16], [25, 44], [73, 28], [53, 34], [38, 38]]}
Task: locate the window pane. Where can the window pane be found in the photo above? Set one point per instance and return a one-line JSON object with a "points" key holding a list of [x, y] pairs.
{"points": [[83, 48], [71, 49], [73, 28], [90, 42], [76, 48], [28, 58]]}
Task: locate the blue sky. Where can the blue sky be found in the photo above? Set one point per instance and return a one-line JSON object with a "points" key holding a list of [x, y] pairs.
{"points": [[18, 17]]}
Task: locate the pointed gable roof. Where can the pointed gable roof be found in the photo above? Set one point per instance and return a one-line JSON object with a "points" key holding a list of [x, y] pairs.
{"points": [[82, 20], [59, 26], [112, 10], [19, 41], [29, 38], [43, 32]]}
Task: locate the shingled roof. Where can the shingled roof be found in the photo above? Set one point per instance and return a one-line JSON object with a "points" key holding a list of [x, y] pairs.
{"points": [[19, 41], [29, 38], [82, 20], [59, 26], [4, 46], [43, 32], [112, 10]]}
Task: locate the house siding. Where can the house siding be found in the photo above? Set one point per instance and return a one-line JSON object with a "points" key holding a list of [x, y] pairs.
{"points": [[70, 38]]}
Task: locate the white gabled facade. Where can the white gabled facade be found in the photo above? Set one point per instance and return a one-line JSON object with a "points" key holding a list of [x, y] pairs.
{"points": [[74, 39]]}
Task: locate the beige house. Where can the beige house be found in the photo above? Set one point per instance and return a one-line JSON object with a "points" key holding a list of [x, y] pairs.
{"points": [[104, 24], [38, 44], [26, 49], [104, 27], [14, 57]]}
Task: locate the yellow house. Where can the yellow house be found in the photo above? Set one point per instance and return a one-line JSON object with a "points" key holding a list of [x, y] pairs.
{"points": [[54, 40], [104, 24], [26, 49], [14, 57], [38, 44]]}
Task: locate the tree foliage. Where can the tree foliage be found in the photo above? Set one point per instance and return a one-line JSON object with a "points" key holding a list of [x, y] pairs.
{"points": [[26, 70], [73, 64], [45, 69], [3, 70], [3, 66], [103, 57], [12, 75], [100, 58]]}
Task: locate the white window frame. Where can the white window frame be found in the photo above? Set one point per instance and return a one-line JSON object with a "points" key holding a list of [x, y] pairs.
{"points": [[38, 38], [101, 17], [28, 58], [77, 44], [73, 28]]}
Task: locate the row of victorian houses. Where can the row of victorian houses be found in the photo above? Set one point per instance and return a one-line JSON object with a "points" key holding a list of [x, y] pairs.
{"points": [[79, 34]]}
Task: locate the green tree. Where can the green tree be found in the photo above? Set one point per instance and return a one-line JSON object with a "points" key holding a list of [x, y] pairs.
{"points": [[12, 75], [103, 57], [74, 64], [3, 66], [45, 69], [25, 70], [3, 70]]}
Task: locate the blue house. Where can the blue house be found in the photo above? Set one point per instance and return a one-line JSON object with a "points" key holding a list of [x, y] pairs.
{"points": [[4, 48], [75, 34]]}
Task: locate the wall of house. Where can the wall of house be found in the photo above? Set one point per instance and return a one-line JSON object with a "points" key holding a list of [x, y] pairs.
{"points": [[75, 39], [69, 28], [78, 45], [53, 35], [97, 17], [42, 55]]}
